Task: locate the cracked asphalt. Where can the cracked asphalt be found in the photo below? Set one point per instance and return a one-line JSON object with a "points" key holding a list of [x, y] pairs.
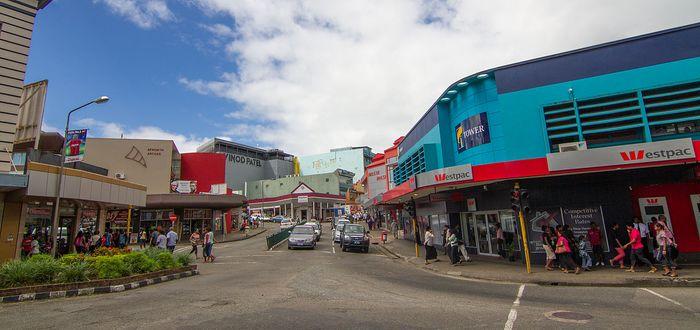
{"points": [[248, 287]]}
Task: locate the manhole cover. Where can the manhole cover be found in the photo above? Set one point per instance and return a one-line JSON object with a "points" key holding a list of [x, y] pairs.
{"points": [[568, 317]]}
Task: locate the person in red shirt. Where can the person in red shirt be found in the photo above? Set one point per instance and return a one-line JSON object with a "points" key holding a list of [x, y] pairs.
{"points": [[637, 248], [27, 246], [594, 237], [74, 145]]}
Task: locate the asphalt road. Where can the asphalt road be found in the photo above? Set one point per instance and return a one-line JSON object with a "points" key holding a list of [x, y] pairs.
{"points": [[248, 287]]}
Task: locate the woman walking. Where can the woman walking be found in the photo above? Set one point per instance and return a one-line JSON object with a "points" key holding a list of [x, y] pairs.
{"points": [[453, 248], [618, 239], [208, 246], [79, 243], [637, 248], [430, 252], [143, 237], [194, 240], [666, 245], [548, 245], [564, 252]]}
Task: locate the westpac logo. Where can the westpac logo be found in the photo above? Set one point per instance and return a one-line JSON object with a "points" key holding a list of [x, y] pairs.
{"points": [[440, 177], [652, 200], [661, 154]]}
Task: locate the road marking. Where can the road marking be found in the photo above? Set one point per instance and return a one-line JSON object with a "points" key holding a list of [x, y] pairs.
{"points": [[671, 301], [333, 246], [513, 314]]}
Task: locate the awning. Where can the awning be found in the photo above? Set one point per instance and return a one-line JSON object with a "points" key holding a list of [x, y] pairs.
{"points": [[194, 201]]}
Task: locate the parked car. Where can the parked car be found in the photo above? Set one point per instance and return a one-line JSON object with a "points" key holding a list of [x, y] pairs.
{"points": [[277, 219], [286, 223], [317, 229], [354, 237], [338, 229], [302, 237]]}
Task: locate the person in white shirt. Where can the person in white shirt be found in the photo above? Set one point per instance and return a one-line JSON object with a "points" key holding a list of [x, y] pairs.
{"points": [[429, 243], [161, 240], [171, 240]]}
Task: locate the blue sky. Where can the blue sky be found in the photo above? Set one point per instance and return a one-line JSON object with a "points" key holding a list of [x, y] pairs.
{"points": [[303, 76]]}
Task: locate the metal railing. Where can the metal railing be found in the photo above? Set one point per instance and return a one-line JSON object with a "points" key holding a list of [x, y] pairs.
{"points": [[277, 238]]}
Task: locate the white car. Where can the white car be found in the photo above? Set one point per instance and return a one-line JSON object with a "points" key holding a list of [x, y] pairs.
{"points": [[317, 228], [286, 223], [339, 228]]}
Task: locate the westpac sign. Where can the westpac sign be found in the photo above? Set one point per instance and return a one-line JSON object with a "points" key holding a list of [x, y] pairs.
{"points": [[670, 150], [445, 175]]}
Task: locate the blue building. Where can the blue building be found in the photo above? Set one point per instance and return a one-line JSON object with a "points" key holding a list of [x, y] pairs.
{"points": [[600, 134]]}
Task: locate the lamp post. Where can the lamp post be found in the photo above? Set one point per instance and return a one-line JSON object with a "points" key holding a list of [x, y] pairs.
{"points": [[57, 201]]}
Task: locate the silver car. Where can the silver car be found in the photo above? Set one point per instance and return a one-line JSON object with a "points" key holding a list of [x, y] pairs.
{"points": [[317, 229], [302, 237]]}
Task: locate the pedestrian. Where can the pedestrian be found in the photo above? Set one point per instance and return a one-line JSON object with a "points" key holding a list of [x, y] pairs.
{"points": [[671, 236], [36, 247], [500, 240], [645, 235], [569, 234], [453, 248], [79, 243], [445, 234], [619, 239], [122, 239], [154, 237], [429, 243], [96, 241], [636, 247], [665, 244], [209, 245], [548, 246], [461, 249], [194, 240], [586, 262], [653, 233], [161, 241], [27, 246], [143, 237], [171, 240], [594, 237], [395, 229], [107, 239], [564, 252]]}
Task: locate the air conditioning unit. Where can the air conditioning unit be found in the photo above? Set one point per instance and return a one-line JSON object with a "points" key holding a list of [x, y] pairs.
{"points": [[572, 146], [120, 176]]}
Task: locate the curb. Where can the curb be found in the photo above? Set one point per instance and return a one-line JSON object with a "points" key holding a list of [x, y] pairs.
{"points": [[96, 290], [278, 244], [636, 283]]}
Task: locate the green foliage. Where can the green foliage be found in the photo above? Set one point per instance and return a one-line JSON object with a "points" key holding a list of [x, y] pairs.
{"points": [[183, 259], [111, 267], [71, 259], [152, 252], [74, 272], [16, 273], [165, 260], [44, 268], [139, 263]]}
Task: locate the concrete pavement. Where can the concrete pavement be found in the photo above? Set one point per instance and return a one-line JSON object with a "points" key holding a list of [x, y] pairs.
{"points": [[248, 287]]}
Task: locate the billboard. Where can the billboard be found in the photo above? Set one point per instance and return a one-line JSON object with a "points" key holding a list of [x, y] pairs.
{"points": [[74, 147], [31, 112], [472, 132], [184, 186], [376, 181]]}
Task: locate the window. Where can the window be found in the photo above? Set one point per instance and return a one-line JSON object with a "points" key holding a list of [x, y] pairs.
{"points": [[468, 229], [327, 180]]}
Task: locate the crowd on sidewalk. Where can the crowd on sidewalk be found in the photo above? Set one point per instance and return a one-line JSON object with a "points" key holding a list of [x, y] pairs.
{"points": [[636, 244]]}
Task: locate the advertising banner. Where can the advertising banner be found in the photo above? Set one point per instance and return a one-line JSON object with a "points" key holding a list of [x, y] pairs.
{"points": [[550, 217], [118, 218], [74, 147], [622, 155], [580, 218], [184, 186], [472, 132], [376, 181], [445, 175]]}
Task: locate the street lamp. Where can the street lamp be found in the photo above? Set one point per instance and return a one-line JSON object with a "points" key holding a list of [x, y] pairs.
{"points": [[57, 208]]}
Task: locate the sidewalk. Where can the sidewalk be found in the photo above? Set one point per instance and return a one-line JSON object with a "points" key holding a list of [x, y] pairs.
{"points": [[504, 271]]}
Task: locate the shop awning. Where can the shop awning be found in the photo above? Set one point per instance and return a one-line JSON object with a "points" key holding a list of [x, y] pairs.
{"points": [[194, 201]]}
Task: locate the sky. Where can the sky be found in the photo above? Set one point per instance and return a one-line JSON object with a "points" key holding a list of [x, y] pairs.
{"points": [[302, 76]]}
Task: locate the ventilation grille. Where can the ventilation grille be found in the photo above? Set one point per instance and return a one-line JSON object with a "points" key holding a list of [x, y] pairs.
{"points": [[411, 166]]}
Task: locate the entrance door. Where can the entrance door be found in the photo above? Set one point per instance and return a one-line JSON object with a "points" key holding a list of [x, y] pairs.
{"points": [[486, 232]]}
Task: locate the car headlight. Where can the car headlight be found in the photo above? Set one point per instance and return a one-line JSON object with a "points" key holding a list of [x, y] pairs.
{"points": [[347, 237]]}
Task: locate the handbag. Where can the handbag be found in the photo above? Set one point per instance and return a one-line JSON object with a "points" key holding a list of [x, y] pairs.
{"points": [[672, 252], [560, 249]]}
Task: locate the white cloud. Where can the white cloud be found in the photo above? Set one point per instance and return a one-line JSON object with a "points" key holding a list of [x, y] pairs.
{"points": [[325, 74], [184, 143], [144, 13]]}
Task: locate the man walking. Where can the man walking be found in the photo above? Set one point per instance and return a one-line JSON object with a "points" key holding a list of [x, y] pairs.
{"points": [[395, 229], [596, 244], [637, 246], [171, 240]]}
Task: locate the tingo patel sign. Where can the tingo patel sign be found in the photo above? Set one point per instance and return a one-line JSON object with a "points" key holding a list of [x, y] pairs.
{"points": [[639, 153], [445, 175], [472, 132]]}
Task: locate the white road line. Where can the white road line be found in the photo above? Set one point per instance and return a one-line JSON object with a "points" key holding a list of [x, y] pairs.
{"points": [[333, 246], [671, 301], [513, 314]]}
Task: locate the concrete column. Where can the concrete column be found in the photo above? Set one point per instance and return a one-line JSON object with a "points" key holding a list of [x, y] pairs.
{"points": [[20, 229], [101, 219]]}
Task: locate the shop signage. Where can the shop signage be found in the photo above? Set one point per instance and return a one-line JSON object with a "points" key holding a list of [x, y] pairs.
{"points": [[118, 218], [471, 204], [472, 132], [376, 181], [445, 175], [622, 155], [231, 158], [74, 148], [302, 199], [579, 220], [549, 217], [184, 186]]}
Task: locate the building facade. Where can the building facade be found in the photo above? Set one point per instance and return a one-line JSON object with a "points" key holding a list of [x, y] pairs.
{"points": [[245, 163], [601, 134], [353, 159]]}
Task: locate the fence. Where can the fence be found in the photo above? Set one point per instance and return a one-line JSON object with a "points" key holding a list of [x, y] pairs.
{"points": [[277, 238]]}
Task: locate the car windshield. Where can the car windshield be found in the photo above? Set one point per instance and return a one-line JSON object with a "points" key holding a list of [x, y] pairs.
{"points": [[354, 229], [340, 226], [303, 230]]}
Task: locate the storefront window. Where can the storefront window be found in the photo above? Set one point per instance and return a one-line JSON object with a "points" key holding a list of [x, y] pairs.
{"points": [[508, 221], [196, 219], [151, 219], [38, 225], [88, 221], [438, 222], [468, 232]]}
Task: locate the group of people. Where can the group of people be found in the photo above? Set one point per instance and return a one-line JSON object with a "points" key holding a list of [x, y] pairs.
{"points": [[452, 243], [635, 241], [85, 242], [207, 243]]}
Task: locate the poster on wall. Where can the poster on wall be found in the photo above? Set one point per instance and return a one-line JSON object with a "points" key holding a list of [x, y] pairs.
{"points": [[74, 147], [472, 132], [118, 218], [550, 217], [580, 218], [184, 186]]}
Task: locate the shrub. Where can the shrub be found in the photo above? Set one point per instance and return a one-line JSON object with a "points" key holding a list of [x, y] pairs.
{"points": [[139, 263], [110, 251], [44, 268], [70, 259], [165, 260], [110, 267], [152, 252], [16, 273], [74, 272], [183, 259]]}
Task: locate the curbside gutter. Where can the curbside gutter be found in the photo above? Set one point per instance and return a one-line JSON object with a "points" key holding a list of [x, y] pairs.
{"points": [[631, 282], [96, 290]]}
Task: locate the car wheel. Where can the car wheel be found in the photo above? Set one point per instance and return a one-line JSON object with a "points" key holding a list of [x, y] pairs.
{"points": [[289, 248], [365, 250]]}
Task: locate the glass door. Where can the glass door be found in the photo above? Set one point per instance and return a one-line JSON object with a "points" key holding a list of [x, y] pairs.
{"points": [[492, 219], [482, 234]]}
